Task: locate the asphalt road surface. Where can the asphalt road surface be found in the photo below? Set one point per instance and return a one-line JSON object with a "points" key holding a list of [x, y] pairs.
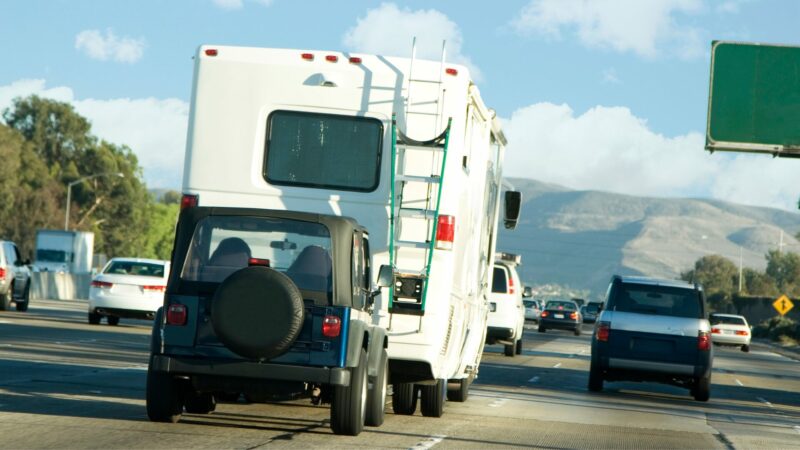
{"points": [[67, 384]]}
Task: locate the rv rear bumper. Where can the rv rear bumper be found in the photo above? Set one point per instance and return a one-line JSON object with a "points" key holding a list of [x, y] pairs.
{"points": [[337, 376]]}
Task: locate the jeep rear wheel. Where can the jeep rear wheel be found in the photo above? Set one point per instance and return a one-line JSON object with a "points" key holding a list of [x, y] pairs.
{"points": [[404, 398], [349, 403], [163, 397], [257, 313], [376, 397], [200, 403]]}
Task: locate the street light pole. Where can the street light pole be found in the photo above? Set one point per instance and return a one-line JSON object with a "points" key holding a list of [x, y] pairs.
{"points": [[80, 180]]}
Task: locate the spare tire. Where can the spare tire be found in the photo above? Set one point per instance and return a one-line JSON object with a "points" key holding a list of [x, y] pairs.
{"points": [[257, 313]]}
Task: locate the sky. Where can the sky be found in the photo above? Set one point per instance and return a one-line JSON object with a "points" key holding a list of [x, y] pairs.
{"points": [[593, 94]]}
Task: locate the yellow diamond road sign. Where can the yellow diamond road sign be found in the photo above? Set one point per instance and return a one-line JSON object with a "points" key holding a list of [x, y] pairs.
{"points": [[783, 305]]}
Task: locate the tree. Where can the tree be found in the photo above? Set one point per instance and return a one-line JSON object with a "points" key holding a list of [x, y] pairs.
{"points": [[784, 268], [171, 197], [716, 273], [759, 284], [160, 233]]}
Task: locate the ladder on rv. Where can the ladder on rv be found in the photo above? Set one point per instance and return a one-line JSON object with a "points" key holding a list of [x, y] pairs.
{"points": [[410, 287]]}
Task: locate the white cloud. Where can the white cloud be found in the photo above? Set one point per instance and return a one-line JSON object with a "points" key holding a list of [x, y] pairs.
{"points": [[610, 76], [155, 129], [645, 28], [611, 149], [238, 4], [107, 47], [388, 30]]}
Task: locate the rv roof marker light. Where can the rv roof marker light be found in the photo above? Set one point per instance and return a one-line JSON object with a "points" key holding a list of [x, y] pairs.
{"points": [[211, 52], [355, 60], [331, 58], [307, 56], [451, 71], [445, 232]]}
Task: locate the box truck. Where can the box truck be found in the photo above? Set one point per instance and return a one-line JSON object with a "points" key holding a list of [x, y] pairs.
{"points": [[64, 251]]}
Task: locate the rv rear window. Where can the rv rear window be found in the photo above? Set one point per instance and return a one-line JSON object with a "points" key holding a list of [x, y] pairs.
{"points": [[323, 151]]}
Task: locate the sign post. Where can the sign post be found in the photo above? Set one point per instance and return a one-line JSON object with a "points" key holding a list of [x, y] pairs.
{"points": [[783, 305]]}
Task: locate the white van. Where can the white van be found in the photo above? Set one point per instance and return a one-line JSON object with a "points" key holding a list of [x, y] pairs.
{"points": [[506, 322], [406, 147]]}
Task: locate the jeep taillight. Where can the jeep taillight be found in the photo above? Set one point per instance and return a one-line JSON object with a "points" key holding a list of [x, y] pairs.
{"points": [[445, 232], [603, 331], [189, 201], [331, 326], [176, 314], [703, 341]]}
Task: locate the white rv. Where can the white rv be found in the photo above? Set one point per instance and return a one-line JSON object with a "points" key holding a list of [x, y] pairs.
{"points": [[406, 147]]}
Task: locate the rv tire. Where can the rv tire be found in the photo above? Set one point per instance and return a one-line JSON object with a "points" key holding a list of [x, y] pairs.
{"points": [[404, 398], [462, 392], [94, 318], [433, 398], [509, 349]]}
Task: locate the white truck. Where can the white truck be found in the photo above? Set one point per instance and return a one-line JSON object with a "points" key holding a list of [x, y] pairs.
{"points": [[64, 251], [406, 147]]}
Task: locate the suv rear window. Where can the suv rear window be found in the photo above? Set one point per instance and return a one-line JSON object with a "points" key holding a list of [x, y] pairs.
{"points": [[323, 151], [500, 281], [724, 320], [222, 245], [658, 300]]}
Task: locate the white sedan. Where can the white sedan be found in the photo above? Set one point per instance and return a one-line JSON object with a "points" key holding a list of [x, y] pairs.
{"points": [[128, 287], [730, 329]]}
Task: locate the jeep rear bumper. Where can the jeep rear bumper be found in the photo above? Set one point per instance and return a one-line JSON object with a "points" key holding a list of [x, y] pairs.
{"points": [[336, 376]]}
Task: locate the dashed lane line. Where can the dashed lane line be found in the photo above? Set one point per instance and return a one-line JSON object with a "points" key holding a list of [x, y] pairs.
{"points": [[534, 380], [429, 442], [738, 382], [764, 401], [497, 403], [557, 366], [796, 427]]}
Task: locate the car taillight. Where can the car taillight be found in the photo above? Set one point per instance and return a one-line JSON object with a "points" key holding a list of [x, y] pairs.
{"points": [[331, 326], [154, 288], [445, 232], [703, 341], [716, 331], [545, 313], [189, 201], [603, 331], [741, 333], [573, 315], [101, 284], [176, 314]]}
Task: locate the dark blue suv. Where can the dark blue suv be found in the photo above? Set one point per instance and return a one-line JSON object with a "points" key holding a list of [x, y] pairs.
{"points": [[273, 305], [653, 330]]}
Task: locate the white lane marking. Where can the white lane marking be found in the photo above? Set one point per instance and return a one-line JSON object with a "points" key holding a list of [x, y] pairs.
{"points": [[557, 366], [764, 401], [738, 382], [498, 402], [796, 427], [501, 366], [6, 345], [534, 380], [429, 442], [6, 321], [95, 392]]}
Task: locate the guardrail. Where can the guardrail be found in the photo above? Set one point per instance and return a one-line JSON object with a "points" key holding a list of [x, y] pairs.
{"points": [[60, 286]]}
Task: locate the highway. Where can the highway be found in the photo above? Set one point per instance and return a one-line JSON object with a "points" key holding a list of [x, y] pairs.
{"points": [[67, 384]]}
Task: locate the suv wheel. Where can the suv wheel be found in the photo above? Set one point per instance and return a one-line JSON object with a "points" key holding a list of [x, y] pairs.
{"points": [[22, 304], [94, 318], [509, 349], [376, 396], [433, 397], [164, 403], [462, 393], [200, 403], [595, 379], [349, 403], [518, 349], [702, 389], [404, 398]]}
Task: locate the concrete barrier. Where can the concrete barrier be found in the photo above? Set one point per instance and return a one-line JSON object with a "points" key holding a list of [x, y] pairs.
{"points": [[60, 286]]}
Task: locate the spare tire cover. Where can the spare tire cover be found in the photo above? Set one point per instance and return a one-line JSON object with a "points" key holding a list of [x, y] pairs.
{"points": [[257, 312]]}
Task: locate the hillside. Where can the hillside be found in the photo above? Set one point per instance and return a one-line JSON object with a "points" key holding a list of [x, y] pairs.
{"points": [[581, 238]]}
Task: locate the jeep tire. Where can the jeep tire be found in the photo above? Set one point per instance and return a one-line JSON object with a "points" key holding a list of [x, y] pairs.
{"points": [[199, 403], [433, 397], [163, 397], [404, 398], [349, 403], [376, 394]]}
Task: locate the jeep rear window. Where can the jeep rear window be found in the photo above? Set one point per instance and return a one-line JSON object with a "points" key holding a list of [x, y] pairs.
{"points": [[499, 283], [221, 245], [323, 151], [658, 300]]}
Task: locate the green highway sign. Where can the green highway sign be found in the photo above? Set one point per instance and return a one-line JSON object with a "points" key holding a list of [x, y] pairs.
{"points": [[754, 99]]}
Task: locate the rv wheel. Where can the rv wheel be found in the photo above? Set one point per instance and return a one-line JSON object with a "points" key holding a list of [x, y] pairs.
{"points": [[257, 312]]}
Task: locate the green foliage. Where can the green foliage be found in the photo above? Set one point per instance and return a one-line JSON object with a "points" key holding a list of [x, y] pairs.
{"points": [[759, 284], [46, 145], [784, 268], [171, 198], [776, 327], [716, 273]]}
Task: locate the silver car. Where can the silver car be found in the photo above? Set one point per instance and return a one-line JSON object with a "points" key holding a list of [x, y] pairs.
{"points": [[15, 278]]}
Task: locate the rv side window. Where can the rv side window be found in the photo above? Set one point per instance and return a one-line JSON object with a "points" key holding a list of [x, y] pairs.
{"points": [[499, 281], [323, 151]]}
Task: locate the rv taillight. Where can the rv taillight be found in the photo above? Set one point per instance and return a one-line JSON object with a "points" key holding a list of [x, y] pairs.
{"points": [[211, 52], [510, 285], [101, 284], [331, 326], [445, 232], [258, 262], [188, 201], [451, 71], [176, 314], [355, 60], [307, 56], [331, 58]]}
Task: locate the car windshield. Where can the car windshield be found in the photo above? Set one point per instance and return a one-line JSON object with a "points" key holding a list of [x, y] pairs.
{"points": [[557, 305], [726, 320], [46, 255], [658, 300], [144, 269], [222, 245]]}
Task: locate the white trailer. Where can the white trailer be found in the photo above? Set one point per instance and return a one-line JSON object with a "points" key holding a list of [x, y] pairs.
{"points": [[64, 251], [406, 147]]}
